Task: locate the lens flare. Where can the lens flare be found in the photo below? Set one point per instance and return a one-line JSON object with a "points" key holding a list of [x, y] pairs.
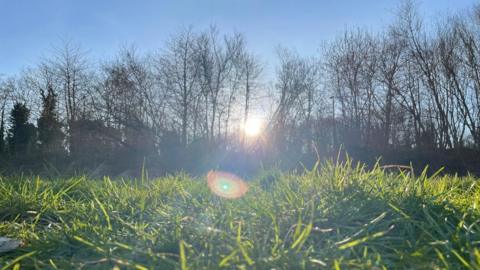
{"points": [[226, 185]]}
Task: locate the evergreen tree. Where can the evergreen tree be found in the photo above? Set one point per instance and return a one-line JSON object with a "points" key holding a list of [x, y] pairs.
{"points": [[21, 135], [2, 132], [50, 135]]}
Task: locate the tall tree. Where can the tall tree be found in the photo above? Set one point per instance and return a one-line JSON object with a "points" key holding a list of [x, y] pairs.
{"points": [[178, 74], [297, 83], [73, 79], [251, 70], [216, 58], [2, 131], [50, 135], [21, 134], [3, 101]]}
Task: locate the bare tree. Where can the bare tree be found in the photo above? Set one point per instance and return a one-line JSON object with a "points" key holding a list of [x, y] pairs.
{"points": [[350, 67], [251, 70], [178, 73], [128, 97], [216, 59], [298, 86]]}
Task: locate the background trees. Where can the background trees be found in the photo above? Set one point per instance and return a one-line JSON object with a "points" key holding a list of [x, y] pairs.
{"points": [[409, 93]]}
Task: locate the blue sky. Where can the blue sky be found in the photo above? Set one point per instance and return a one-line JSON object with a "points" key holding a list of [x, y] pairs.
{"points": [[29, 28]]}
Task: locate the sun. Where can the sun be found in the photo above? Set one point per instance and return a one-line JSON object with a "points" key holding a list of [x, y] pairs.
{"points": [[253, 127]]}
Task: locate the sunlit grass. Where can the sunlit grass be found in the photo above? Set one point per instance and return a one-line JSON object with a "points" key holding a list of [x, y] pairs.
{"points": [[342, 217]]}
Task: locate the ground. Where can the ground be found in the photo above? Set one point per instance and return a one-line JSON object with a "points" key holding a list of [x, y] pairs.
{"points": [[333, 217]]}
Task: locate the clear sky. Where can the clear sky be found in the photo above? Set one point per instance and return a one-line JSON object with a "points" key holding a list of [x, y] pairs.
{"points": [[29, 28]]}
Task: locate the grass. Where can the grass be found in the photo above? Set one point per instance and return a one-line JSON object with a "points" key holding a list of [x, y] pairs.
{"points": [[336, 217]]}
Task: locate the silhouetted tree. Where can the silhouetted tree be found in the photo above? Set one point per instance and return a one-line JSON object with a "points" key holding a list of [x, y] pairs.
{"points": [[297, 84], [2, 132], [178, 75], [217, 59], [4, 94], [73, 80], [251, 70], [132, 105], [50, 135], [21, 135]]}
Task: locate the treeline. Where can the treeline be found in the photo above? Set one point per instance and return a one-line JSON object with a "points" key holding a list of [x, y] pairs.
{"points": [[410, 93], [174, 109]]}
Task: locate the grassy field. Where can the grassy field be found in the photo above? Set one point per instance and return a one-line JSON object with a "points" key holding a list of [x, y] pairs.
{"points": [[337, 217]]}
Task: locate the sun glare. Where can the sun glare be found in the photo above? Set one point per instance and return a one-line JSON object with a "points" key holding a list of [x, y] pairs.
{"points": [[253, 127]]}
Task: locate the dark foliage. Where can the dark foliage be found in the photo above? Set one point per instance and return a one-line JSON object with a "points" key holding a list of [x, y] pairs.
{"points": [[21, 135], [50, 135]]}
